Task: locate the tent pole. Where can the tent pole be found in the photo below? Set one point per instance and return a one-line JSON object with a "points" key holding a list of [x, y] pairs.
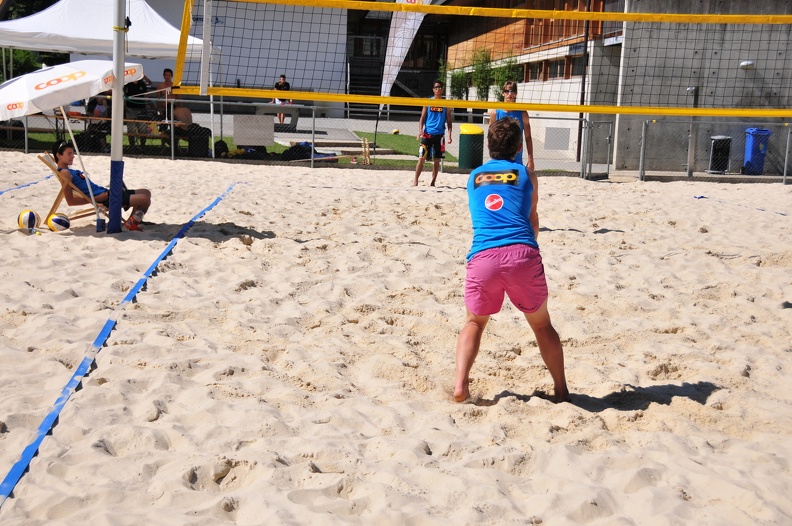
{"points": [[79, 158], [206, 63], [117, 123]]}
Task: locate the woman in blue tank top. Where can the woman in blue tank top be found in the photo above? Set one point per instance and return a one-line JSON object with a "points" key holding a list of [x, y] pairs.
{"points": [[521, 116]]}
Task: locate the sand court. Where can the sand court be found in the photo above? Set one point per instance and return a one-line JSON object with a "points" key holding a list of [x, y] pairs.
{"points": [[291, 360]]}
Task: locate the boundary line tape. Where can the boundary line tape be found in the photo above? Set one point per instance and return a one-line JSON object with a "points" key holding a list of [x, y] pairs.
{"points": [[24, 185], [23, 463]]}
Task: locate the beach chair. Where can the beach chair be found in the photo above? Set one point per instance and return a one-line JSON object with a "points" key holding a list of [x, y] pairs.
{"points": [[70, 193]]}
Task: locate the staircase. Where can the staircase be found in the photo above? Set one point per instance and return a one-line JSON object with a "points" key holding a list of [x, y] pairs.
{"points": [[365, 78]]}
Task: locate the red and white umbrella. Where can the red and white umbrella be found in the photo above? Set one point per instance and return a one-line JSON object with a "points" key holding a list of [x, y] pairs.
{"points": [[55, 86]]}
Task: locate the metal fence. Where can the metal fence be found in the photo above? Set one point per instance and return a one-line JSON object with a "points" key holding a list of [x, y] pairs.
{"points": [[714, 147], [250, 130], [318, 134]]}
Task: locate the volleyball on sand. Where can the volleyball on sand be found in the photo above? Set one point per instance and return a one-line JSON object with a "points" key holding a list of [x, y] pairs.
{"points": [[29, 219], [58, 222]]}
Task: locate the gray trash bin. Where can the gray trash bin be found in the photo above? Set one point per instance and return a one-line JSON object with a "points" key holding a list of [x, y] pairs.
{"points": [[720, 150]]}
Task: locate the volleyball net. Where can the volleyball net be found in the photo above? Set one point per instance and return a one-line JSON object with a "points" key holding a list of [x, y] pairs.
{"points": [[605, 62]]}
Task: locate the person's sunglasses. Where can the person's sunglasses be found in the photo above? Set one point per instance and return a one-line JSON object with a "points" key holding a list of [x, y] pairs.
{"points": [[510, 91]]}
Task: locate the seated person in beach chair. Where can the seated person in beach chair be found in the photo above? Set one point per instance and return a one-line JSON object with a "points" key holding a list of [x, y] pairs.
{"points": [[69, 193], [139, 200]]}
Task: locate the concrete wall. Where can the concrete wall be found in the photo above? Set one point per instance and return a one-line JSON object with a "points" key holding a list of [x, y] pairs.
{"points": [[259, 42], [307, 45], [660, 71]]}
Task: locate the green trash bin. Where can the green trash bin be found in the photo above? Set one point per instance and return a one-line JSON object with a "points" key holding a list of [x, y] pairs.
{"points": [[471, 146]]}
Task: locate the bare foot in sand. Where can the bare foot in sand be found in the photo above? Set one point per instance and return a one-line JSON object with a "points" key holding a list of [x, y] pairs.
{"points": [[461, 393], [560, 395]]}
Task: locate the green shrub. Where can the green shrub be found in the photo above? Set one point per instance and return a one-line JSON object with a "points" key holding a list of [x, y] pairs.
{"points": [[482, 75], [509, 70], [459, 84]]}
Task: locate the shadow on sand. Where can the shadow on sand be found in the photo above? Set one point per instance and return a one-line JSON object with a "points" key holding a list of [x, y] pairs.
{"points": [[630, 398], [215, 232]]}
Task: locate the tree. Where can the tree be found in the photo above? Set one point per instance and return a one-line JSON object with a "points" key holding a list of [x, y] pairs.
{"points": [[26, 61], [459, 84], [26, 8], [456, 80], [442, 71], [482, 76], [508, 70]]}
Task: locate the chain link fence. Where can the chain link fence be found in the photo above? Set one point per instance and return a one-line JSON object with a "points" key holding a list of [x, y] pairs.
{"points": [[312, 134], [703, 148], [323, 135]]}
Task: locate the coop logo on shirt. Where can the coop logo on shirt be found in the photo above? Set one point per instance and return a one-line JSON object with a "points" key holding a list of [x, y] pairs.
{"points": [[63, 78], [488, 178], [436, 109], [493, 202]]}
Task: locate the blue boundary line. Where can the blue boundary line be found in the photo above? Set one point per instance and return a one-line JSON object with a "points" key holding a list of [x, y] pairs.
{"points": [[24, 185], [21, 465]]}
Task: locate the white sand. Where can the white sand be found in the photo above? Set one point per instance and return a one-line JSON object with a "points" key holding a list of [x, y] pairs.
{"points": [[306, 378]]}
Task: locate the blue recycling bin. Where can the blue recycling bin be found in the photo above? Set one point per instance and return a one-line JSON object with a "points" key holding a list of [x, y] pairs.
{"points": [[756, 140]]}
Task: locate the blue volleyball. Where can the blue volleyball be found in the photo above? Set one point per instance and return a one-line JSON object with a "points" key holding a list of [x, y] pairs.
{"points": [[58, 222], [29, 219]]}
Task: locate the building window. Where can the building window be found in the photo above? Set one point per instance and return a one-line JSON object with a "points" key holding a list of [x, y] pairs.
{"points": [[555, 69], [534, 71], [542, 32], [365, 46], [426, 52], [577, 65], [612, 28]]}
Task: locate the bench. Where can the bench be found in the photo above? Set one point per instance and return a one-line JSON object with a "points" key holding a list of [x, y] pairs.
{"points": [[164, 138], [29, 130], [7, 134], [292, 110], [254, 130]]}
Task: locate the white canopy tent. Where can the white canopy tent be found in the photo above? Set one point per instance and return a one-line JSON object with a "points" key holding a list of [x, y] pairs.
{"points": [[86, 27]]}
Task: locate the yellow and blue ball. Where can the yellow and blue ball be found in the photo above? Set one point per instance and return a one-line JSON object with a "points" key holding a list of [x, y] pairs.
{"points": [[58, 222], [29, 219]]}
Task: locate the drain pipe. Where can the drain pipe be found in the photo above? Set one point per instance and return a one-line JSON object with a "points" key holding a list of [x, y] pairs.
{"points": [[642, 154], [786, 155], [691, 157]]}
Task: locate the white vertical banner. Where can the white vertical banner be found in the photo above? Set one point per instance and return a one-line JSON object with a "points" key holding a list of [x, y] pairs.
{"points": [[404, 26]]}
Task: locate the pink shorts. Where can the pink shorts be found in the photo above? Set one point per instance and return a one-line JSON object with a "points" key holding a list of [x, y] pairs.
{"points": [[516, 270]]}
